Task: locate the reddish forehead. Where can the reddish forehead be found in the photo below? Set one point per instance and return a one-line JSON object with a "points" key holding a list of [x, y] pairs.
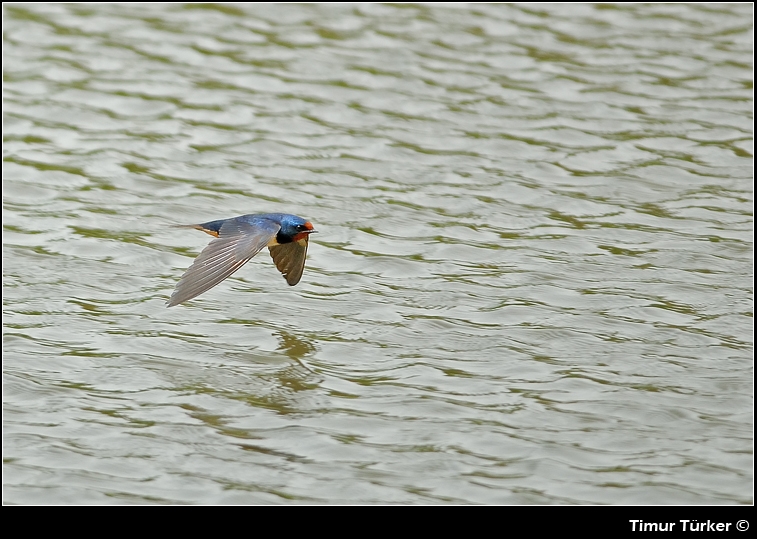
{"points": [[308, 225]]}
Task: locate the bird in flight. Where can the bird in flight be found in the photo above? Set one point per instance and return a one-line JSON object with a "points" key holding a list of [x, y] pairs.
{"points": [[239, 239]]}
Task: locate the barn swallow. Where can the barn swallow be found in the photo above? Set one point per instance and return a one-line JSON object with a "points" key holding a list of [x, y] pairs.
{"points": [[239, 239]]}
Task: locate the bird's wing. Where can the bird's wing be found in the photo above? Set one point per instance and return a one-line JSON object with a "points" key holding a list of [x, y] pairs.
{"points": [[290, 259], [237, 242]]}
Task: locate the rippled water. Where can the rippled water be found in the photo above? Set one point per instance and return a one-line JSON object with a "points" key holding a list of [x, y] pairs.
{"points": [[532, 282]]}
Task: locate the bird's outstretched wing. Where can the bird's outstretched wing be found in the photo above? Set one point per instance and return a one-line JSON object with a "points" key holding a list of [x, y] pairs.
{"points": [[237, 242], [290, 259]]}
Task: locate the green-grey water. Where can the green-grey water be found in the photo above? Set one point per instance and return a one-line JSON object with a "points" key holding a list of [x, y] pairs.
{"points": [[532, 282]]}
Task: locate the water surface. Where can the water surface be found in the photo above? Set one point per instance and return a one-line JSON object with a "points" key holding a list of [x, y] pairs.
{"points": [[532, 282]]}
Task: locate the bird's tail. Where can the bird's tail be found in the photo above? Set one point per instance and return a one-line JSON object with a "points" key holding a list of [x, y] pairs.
{"points": [[208, 228]]}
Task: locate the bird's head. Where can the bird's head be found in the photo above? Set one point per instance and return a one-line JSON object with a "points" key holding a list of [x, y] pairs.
{"points": [[295, 228]]}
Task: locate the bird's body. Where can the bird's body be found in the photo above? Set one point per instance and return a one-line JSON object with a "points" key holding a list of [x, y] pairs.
{"points": [[239, 239]]}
